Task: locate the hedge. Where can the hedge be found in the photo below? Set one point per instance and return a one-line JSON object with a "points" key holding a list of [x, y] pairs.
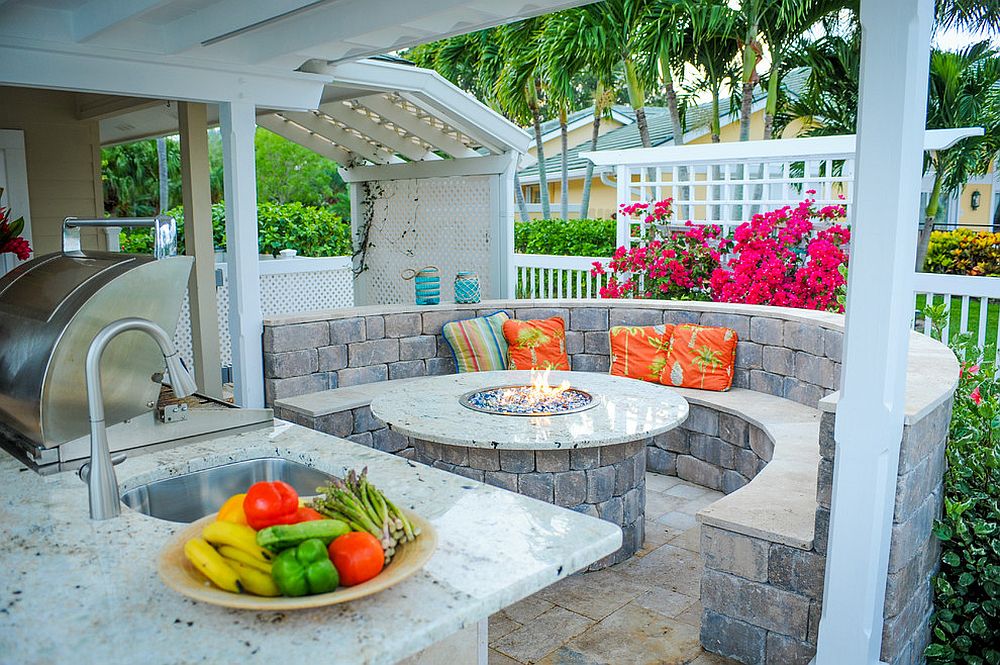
{"points": [[565, 237], [310, 230], [964, 252]]}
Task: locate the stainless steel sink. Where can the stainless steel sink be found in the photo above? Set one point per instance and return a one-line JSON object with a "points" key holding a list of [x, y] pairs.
{"points": [[191, 496]]}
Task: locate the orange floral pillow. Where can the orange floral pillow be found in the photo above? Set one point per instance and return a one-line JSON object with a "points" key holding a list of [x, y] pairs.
{"points": [[700, 357], [640, 352], [539, 344]]}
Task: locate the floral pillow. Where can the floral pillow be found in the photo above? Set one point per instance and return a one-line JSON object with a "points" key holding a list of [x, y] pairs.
{"points": [[538, 344], [700, 357], [640, 352]]}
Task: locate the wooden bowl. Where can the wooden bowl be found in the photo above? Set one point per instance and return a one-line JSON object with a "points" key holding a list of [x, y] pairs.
{"points": [[178, 573]]}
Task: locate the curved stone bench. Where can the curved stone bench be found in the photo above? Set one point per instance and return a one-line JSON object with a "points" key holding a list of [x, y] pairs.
{"points": [[768, 443]]}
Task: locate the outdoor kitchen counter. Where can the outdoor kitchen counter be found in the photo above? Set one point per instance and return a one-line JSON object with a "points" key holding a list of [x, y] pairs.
{"points": [[75, 590]]}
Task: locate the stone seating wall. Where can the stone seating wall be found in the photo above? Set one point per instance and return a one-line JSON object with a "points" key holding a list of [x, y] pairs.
{"points": [[767, 443]]}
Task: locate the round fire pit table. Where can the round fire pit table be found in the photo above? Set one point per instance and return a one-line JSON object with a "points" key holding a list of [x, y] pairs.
{"points": [[592, 459]]}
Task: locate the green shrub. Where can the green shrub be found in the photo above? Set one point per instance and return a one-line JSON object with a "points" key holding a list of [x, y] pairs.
{"points": [[310, 230], [565, 237], [964, 252], [966, 624]]}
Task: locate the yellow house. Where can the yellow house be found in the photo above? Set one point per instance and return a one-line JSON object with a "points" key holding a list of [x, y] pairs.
{"points": [[977, 206]]}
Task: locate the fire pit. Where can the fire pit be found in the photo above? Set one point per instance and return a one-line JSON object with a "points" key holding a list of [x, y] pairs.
{"points": [[535, 399], [578, 443]]}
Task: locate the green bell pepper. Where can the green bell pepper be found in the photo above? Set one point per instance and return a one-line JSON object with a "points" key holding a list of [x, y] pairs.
{"points": [[305, 570]]}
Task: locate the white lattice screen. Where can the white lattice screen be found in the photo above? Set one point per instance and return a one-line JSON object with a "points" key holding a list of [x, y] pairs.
{"points": [[281, 292], [415, 223], [729, 193]]}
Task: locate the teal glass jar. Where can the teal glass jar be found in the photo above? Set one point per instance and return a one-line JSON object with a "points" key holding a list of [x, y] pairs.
{"points": [[467, 287], [426, 283]]}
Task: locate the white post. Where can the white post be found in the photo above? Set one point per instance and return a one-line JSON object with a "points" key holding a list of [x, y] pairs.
{"points": [[505, 280], [623, 173], [893, 97], [237, 122]]}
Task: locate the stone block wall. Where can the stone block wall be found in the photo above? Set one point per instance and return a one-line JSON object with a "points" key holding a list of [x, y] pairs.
{"points": [[608, 482], [781, 352], [762, 600], [914, 552], [356, 425], [711, 448]]}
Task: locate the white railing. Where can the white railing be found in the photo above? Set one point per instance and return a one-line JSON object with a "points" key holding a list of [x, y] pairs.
{"points": [[548, 276], [973, 305], [287, 286]]}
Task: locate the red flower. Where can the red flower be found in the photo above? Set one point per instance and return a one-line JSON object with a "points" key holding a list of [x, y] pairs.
{"points": [[976, 397]]}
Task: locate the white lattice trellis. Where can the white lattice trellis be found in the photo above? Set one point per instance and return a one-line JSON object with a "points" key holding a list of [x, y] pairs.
{"points": [[286, 287], [429, 221]]}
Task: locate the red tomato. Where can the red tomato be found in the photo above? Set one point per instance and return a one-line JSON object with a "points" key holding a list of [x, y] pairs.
{"points": [[357, 556], [268, 503], [305, 514]]}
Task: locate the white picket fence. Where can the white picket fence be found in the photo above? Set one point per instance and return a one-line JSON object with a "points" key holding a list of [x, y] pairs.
{"points": [[974, 302]]}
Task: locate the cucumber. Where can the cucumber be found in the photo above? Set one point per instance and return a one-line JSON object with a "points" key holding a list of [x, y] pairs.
{"points": [[283, 536]]}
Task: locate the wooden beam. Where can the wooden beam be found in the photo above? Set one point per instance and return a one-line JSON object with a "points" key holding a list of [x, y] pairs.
{"points": [[380, 133], [411, 123], [342, 138], [282, 127], [198, 242]]}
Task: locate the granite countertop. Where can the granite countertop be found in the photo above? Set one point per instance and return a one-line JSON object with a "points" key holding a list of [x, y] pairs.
{"points": [[627, 410], [76, 590]]}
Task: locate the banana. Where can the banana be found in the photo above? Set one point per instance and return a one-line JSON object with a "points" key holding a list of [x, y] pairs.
{"points": [[235, 535], [253, 580], [210, 564], [230, 552]]}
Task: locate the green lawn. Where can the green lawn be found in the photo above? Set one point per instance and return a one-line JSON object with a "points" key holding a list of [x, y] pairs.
{"points": [[955, 318]]}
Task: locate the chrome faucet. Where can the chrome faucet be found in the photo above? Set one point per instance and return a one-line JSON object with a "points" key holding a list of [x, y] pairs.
{"points": [[105, 502]]}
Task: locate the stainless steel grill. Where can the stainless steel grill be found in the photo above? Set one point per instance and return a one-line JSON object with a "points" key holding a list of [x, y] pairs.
{"points": [[50, 309]]}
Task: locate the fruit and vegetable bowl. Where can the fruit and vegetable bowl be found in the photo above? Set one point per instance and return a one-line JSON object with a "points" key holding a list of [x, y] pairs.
{"points": [[269, 549]]}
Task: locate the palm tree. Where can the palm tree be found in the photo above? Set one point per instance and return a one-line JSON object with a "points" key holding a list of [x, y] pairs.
{"points": [[829, 104], [519, 86], [666, 39], [781, 25], [964, 91], [614, 29], [715, 29]]}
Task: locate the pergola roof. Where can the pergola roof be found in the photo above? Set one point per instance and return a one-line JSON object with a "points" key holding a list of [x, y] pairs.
{"points": [[373, 112]]}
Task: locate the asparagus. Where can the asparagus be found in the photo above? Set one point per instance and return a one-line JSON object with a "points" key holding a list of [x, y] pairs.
{"points": [[365, 508]]}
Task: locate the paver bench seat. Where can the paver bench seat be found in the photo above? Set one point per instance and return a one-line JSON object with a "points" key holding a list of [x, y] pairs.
{"points": [[777, 447]]}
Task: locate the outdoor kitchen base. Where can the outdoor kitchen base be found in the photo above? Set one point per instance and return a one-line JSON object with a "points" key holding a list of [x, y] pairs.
{"points": [[604, 481]]}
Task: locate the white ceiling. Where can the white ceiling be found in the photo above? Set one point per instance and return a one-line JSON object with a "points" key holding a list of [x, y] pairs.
{"points": [[282, 34]]}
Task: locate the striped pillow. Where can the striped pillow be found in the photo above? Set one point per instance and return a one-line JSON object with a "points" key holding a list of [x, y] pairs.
{"points": [[478, 344]]}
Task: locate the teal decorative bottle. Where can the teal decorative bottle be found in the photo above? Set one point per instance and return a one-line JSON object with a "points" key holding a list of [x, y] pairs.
{"points": [[467, 287], [427, 284]]}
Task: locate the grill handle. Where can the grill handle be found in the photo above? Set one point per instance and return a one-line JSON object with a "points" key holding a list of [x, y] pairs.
{"points": [[164, 232]]}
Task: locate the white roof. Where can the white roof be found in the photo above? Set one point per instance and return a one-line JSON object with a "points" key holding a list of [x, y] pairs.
{"points": [[223, 50], [370, 113]]}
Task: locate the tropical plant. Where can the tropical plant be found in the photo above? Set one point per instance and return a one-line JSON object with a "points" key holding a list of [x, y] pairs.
{"points": [[130, 176], [715, 31], [519, 87], [665, 38], [964, 91], [829, 104], [565, 237], [966, 623], [11, 241], [670, 264], [964, 252], [790, 257]]}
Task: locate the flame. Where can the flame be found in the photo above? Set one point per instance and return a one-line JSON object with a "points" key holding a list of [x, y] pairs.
{"points": [[541, 389]]}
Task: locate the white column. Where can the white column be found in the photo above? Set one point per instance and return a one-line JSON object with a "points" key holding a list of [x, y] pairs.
{"points": [[237, 122], [894, 62], [504, 278], [198, 242]]}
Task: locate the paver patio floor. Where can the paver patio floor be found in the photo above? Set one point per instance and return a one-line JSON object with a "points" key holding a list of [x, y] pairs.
{"points": [[644, 611]]}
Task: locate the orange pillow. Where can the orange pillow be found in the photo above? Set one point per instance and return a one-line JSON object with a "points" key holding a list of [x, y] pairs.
{"points": [[640, 352], [700, 357], [539, 344]]}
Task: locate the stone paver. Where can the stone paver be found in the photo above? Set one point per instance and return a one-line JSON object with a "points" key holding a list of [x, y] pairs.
{"points": [[643, 610]]}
